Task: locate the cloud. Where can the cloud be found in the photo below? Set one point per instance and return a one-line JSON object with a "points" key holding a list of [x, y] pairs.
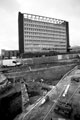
{"points": [[68, 10], [9, 5], [8, 30], [9, 24]]}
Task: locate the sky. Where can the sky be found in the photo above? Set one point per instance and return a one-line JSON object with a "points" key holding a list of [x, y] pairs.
{"points": [[68, 10]]}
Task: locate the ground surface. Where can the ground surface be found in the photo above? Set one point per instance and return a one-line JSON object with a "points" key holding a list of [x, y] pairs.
{"points": [[50, 74], [46, 111]]}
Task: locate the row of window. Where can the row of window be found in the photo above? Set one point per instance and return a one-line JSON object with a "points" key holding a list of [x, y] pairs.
{"points": [[49, 41], [44, 29], [44, 33], [44, 40], [30, 30], [49, 33], [44, 37], [29, 49], [42, 23], [42, 26], [44, 45]]}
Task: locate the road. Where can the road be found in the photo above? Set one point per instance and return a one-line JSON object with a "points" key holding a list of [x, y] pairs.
{"points": [[41, 112]]}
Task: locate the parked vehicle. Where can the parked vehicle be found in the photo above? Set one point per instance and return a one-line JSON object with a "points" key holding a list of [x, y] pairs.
{"points": [[75, 79], [63, 109], [10, 63]]}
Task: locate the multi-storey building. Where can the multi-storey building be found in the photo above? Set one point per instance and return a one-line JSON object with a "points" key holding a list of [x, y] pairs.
{"points": [[41, 34], [7, 54]]}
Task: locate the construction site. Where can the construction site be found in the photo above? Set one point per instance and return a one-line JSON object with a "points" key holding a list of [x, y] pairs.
{"points": [[40, 80], [41, 90]]}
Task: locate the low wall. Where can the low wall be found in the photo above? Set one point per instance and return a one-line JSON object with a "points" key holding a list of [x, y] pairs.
{"points": [[49, 59]]}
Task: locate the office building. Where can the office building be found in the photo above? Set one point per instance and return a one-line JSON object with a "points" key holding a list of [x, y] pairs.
{"points": [[42, 34]]}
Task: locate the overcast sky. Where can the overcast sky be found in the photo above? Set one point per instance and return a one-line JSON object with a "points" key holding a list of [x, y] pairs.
{"points": [[68, 10]]}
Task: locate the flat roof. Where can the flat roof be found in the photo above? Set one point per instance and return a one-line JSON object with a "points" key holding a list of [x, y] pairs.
{"points": [[43, 18]]}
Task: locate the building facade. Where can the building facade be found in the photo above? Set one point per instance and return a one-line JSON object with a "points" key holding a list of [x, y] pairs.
{"points": [[41, 34], [7, 54]]}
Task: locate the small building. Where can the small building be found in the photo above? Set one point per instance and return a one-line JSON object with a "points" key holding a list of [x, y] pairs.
{"points": [[7, 54]]}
